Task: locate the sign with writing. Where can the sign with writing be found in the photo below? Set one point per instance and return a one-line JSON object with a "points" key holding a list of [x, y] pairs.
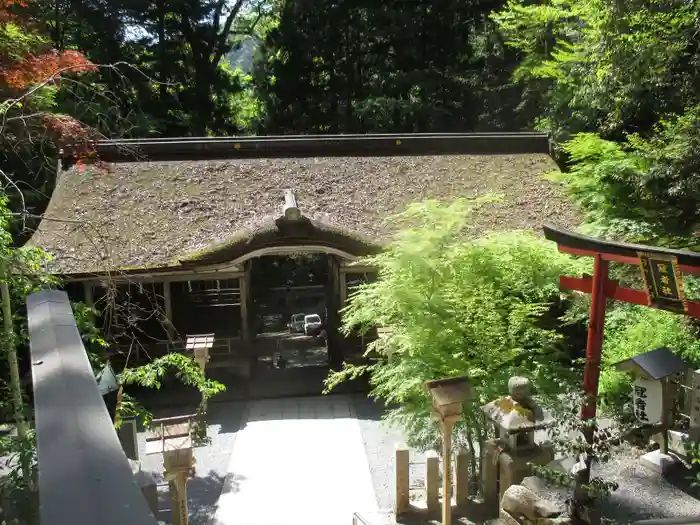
{"points": [[663, 282], [647, 399]]}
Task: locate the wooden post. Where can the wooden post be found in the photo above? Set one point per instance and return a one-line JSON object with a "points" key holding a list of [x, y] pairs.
{"points": [[594, 343], [168, 306], [665, 415], [243, 283], [446, 428], [177, 475], [402, 480], [343, 288], [462, 461], [432, 481], [694, 430], [489, 476]]}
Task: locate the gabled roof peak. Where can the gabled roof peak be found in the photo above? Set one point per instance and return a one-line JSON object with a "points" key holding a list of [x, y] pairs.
{"points": [[290, 210]]}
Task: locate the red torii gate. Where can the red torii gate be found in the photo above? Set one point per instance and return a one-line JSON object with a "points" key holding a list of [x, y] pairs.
{"points": [[662, 272]]}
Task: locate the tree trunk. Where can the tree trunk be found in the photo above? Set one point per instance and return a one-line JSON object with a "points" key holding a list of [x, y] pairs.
{"points": [[202, 89], [15, 385], [162, 55]]}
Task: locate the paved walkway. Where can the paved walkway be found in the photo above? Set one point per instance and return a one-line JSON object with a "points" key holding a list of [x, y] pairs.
{"points": [[297, 461]]}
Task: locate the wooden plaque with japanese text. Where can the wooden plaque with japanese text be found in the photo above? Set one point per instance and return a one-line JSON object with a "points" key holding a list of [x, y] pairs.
{"points": [[663, 282]]}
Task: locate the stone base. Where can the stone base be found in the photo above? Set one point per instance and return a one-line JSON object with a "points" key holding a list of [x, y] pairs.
{"points": [[658, 462]]}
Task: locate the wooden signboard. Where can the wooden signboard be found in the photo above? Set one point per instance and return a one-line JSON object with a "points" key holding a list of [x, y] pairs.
{"points": [[663, 282]]}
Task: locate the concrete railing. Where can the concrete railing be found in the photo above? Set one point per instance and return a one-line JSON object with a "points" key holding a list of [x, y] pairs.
{"points": [[84, 476]]}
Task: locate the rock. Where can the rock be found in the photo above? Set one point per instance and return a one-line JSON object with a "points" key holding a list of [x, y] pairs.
{"points": [[520, 502], [535, 484], [505, 519], [561, 520]]}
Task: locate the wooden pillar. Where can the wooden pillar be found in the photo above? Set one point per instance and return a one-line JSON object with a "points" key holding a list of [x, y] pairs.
{"points": [[462, 461], [402, 480], [432, 482], [244, 285], [178, 468], [666, 419], [591, 377], [489, 477], [335, 352], [446, 426], [594, 343], [343, 277], [695, 407], [168, 306]]}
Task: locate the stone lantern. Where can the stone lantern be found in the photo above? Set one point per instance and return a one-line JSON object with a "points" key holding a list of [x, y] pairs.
{"points": [[517, 417]]}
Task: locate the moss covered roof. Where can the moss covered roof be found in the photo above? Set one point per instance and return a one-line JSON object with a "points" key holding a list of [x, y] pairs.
{"points": [[163, 214]]}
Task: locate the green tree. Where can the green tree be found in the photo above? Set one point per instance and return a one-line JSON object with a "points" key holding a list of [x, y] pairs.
{"points": [[482, 308], [343, 66], [621, 79]]}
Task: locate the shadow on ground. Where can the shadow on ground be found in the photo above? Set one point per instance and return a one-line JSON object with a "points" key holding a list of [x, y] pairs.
{"points": [[202, 493]]}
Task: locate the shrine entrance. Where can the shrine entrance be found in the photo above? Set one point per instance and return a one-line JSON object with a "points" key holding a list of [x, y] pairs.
{"points": [[288, 309], [661, 271]]}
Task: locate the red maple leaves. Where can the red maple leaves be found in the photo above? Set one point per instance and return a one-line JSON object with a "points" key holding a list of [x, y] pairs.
{"points": [[19, 78], [7, 9], [43, 67]]}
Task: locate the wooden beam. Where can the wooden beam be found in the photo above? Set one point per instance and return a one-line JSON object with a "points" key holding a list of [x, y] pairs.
{"points": [[299, 146], [123, 277], [576, 244], [614, 291], [624, 259]]}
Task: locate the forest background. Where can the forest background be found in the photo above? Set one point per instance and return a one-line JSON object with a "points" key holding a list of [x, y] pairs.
{"points": [[616, 82]]}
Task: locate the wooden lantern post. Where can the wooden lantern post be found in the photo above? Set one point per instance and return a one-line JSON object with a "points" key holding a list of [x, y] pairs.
{"points": [[172, 438], [199, 346], [448, 396]]}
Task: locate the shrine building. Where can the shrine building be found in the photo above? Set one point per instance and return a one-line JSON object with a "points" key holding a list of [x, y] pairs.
{"points": [[233, 236]]}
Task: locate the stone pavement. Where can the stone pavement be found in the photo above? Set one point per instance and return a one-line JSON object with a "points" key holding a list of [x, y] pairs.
{"points": [[295, 461]]}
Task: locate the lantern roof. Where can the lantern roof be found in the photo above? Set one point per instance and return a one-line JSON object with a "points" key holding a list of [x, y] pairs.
{"points": [[656, 364]]}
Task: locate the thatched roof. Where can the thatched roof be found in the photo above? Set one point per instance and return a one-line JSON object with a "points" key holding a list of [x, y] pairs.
{"points": [[163, 214]]}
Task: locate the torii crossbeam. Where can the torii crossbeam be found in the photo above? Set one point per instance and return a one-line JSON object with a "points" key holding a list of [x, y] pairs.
{"points": [[662, 273]]}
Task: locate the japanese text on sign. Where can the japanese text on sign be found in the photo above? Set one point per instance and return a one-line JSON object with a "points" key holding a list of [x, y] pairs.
{"points": [[663, 282]]}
